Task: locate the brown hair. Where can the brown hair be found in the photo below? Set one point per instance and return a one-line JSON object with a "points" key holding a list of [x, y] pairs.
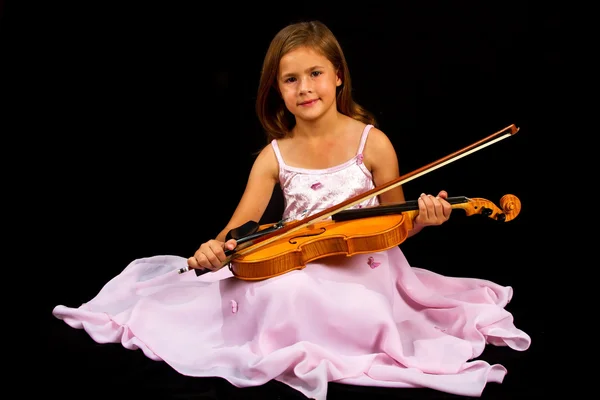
{"points": [[274, 117]]}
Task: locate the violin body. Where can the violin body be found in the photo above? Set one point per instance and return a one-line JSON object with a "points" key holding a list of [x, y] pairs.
{"points": [[357, 231], [323, 239]]}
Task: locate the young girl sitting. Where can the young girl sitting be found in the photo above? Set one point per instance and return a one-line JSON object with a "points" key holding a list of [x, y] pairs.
{"points": [[368, 319]]}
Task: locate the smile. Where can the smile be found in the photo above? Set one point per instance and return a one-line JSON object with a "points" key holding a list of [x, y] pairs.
{"points": [[308, 103]]}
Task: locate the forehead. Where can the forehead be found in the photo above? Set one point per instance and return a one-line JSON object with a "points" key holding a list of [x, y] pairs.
{"points": [[302, 58]]}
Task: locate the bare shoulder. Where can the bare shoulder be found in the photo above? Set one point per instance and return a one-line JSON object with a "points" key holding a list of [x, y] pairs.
{"points": [[266, 164], [380, 158], [377, 139], [378, 144]]}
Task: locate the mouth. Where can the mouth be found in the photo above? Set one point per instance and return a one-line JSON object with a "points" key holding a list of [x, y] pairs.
{"points": [[308, 102]]}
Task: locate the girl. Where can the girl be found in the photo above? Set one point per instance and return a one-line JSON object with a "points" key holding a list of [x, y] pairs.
{"points": [[364, 320]]}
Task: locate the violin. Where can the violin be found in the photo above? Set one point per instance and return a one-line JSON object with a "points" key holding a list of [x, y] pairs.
{"points": [[350, 232], [265, 251]]}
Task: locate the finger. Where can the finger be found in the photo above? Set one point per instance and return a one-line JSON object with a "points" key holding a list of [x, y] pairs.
{"points": [[422, 200], [215, 255], [447, 208], [206, 257], [202, 261], [193, 263], [429, 201], [215, 247], [438, 208], [230, 244]]}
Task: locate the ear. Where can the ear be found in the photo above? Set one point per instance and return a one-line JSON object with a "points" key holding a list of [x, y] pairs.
{"points": [[338, 80]]}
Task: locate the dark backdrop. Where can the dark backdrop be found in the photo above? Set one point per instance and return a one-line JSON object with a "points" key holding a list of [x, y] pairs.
{"points": [[146, 127]]}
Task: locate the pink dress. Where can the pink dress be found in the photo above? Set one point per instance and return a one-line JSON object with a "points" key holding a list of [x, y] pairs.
{"points": [[370, 320]]}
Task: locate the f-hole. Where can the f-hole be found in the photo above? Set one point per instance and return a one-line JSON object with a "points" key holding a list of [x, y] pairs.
{"points": [[307, 235]]}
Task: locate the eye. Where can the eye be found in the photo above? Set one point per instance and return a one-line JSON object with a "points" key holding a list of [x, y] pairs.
{"points": [[290, 80], [314, 74]]}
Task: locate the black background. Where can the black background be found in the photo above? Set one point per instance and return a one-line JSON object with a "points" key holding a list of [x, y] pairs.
{"points": [[144, 131]]}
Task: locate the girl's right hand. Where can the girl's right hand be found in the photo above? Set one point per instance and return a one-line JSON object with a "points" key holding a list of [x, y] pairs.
{"points": [[211, 254]]}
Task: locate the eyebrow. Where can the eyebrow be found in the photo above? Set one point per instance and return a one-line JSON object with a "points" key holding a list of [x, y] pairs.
{"points": [[307, 70]]}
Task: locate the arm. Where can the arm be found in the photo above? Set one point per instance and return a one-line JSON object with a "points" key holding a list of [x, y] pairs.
{"points": [[259, 189], [253, 203], [381, 159]]}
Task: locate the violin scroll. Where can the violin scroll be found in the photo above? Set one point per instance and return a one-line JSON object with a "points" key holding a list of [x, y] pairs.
{"points": [[510, 207]]}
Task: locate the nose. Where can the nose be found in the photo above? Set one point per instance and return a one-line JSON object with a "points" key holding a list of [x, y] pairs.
{"points": [[305, 86]]}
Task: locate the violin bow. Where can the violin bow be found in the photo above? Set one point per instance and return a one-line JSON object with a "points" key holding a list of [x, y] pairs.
{"points": [[291, 227]]}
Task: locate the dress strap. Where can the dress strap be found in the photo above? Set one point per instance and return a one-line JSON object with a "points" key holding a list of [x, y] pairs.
{"points": [[363, 138], [277, 153]]}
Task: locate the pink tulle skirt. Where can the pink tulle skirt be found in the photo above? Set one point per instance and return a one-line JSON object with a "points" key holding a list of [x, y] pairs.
{"points": [[370, 320]]}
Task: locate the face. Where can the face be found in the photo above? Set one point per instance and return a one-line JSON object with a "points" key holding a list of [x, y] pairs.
{"points": [[307, 81]]}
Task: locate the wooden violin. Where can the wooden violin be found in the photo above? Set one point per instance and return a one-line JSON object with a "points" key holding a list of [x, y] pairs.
{"points": [[350, 232], [269, 250]]}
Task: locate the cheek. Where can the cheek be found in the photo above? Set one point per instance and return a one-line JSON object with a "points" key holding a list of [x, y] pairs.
{"points": [[287, 95], [327, 87]]}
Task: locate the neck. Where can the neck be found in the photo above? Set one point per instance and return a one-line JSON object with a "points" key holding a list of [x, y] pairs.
{"points": [[327, 125]]}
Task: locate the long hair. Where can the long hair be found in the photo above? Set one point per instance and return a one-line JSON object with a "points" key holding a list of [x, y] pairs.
{"points": [[274, 117]]}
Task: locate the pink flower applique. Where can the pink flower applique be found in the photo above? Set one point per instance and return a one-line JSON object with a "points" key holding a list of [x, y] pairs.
{"points": [[316, 186], [234, 306], [359, 158], [372, 263]]}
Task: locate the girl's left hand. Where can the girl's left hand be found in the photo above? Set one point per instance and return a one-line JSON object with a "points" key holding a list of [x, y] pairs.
{"points": [[433, 210]]}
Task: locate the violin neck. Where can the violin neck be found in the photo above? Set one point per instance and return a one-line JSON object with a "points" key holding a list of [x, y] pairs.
{"points": [[388, 209]]}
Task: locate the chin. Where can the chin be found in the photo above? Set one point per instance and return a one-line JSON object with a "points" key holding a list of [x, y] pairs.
{"points": [[311, 115], [309, 118]]}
